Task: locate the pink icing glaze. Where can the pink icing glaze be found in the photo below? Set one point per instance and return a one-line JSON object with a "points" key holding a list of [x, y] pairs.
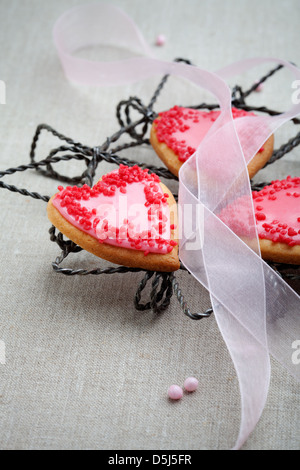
{"points": [[127, 208], [182, 129], [277, 212]]}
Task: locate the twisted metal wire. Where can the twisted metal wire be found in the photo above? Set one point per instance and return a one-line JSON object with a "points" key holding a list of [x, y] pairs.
{"points": [[284, 149], [159, 299], [163, 285], [183, 304]]}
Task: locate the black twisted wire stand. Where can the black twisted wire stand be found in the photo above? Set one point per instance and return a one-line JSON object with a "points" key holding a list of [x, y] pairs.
{"points": [[163, 285]]}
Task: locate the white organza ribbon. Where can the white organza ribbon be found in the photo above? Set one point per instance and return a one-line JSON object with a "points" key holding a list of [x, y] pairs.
{"points": [[257, 312]]}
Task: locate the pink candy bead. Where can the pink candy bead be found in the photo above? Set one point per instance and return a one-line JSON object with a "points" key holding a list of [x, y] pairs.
{"points": [[259, 88], [191, 384], [160, 40], [175, 392]]}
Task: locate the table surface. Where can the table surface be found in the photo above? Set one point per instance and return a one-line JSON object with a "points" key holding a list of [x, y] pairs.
{"points": [[84, 369]]}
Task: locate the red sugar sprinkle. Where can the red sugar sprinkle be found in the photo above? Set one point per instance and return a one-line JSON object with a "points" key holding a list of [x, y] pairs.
{"points": [[292, 232]]}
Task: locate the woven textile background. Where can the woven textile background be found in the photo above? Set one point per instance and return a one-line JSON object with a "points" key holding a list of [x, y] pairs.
{"points": [[84, 369]]}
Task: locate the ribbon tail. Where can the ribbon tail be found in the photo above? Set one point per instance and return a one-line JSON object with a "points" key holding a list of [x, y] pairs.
{"points": [[246, 353]]}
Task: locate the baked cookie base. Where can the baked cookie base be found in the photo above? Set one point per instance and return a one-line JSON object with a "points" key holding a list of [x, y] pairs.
{"points": [[279, 252]]}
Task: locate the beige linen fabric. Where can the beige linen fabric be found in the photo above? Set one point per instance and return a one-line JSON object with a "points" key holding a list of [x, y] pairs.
{"points": [[84, 369]]}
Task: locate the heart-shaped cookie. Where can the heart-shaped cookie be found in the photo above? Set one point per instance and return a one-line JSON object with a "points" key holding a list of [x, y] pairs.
{"points": [[129, 217], [277, 213], [176, 134]]}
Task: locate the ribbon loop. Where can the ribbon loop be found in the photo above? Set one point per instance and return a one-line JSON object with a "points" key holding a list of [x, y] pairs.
{"points": [[257, 312]]}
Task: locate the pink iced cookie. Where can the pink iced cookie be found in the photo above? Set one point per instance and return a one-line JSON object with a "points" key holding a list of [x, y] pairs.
{"points": [[277, 214], [176, 134], [128, 217]]}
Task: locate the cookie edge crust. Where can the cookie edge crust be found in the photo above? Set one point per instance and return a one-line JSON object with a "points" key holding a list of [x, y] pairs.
{"points": [[279, 252], [168, 262], [170, 159]]}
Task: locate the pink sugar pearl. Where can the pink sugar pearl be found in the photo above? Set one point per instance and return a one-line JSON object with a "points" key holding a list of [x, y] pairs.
{"points": [[191, 384], [160, 40], [259, 88], [175, 392]]}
